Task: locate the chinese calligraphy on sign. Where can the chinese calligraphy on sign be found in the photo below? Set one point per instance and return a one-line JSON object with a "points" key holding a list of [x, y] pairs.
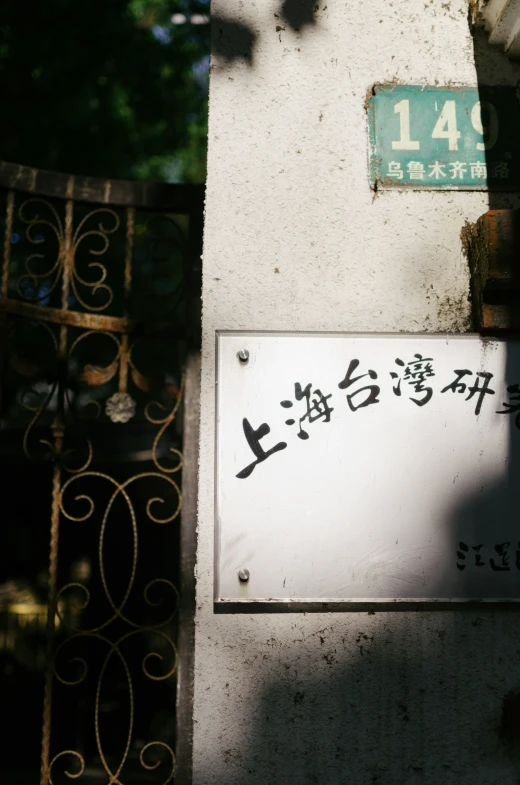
{"points": [[353, 468], [434, 137], [416, 371]]}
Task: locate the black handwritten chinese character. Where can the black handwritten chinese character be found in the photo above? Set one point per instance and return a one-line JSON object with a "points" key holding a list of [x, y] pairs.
{"points": [[479, 562], [316, 409], [461, 555], [253, 439], [373, 389], [458, 386], [502, 551], [416, 372], [511, 408]]}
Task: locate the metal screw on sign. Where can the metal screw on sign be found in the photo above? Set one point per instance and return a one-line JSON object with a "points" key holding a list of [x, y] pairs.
{"points": [[243, 355], [243, 576]]}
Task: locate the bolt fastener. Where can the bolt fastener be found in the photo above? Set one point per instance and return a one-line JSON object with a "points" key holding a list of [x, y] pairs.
{"points": [[243, 355], [243, 576]]}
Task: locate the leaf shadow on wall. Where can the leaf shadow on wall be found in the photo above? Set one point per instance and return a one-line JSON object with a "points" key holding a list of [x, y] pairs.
{"points": [[299, 13], [234, 40]]}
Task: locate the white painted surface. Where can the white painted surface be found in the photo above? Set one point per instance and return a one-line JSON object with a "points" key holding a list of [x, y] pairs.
{"points": [[501, 19], [391, 698], [360, 506]]}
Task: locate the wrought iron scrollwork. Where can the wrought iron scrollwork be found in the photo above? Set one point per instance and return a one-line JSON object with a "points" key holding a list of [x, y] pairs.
{"points": [[39, 215], [82, 369], [116, 632]]}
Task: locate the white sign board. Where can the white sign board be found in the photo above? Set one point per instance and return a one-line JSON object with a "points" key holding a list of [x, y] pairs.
{"points": [[367, 469]]}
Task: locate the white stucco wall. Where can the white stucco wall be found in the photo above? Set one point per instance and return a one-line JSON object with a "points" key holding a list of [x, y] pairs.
{"points": [[296, 240]]}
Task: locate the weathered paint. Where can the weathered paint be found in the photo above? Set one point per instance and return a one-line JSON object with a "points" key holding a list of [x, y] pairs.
{"points": [[493, 250], [500, 19], [295, 239]]}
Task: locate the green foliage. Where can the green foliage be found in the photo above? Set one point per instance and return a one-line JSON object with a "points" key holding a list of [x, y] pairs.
{"points": [[107, 88]]}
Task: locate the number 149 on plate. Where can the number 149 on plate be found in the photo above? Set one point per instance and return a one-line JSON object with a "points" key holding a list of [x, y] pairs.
{"points": [[463, 138]]}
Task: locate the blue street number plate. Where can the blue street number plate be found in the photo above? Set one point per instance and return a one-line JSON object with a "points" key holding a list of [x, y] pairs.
{"points": [[464, 138]]}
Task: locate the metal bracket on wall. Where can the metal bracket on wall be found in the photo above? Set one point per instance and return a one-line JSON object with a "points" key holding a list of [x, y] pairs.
{"points": [[492, 245]]}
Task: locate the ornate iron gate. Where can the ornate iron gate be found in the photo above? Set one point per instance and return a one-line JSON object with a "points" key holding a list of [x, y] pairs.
{"points": [[99, 316]]}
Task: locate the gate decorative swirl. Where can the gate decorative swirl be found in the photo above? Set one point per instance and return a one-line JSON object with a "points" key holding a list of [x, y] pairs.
{"points": [[96, 314]]}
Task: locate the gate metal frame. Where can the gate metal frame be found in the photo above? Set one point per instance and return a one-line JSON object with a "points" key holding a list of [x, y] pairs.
{"points": [[155, 197]]}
